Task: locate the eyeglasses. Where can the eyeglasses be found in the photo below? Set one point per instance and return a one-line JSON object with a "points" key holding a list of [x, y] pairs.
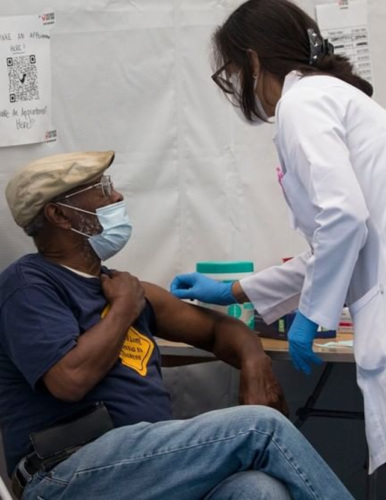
{"points": [[222, 78], [106, 186]]}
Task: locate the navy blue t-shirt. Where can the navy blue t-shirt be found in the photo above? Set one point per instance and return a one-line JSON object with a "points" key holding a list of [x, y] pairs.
{"points": [[44, 308]]}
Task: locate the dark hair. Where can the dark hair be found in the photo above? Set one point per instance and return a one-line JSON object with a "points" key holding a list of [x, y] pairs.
{"points": [[277, 31], [34, 227]]}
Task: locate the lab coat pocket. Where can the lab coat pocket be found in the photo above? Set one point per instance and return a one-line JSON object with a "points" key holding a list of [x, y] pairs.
{"points": [[369, 318]]}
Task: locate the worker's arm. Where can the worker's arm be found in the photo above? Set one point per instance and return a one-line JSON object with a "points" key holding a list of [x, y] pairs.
{"points": [[274, 291], [229, 339]]}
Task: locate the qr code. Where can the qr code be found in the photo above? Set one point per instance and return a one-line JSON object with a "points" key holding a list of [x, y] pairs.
{"points": [[23, 78]]}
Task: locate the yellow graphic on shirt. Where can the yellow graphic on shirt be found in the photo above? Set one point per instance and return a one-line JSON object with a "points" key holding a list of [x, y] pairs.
{"points": [[136, 350]]}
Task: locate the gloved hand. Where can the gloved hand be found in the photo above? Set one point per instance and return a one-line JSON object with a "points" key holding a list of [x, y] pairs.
{"points": [[300, 337], [200, 287]]}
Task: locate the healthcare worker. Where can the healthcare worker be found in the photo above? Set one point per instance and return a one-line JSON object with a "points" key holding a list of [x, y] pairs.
{"points": [[331, 141]]}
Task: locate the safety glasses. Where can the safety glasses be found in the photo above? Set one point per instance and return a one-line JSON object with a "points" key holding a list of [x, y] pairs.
{"points": [[223, 79], [106, 186]]}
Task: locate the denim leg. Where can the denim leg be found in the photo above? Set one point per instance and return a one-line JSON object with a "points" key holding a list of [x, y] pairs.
{"points": [[250, 485], [187, 459]]}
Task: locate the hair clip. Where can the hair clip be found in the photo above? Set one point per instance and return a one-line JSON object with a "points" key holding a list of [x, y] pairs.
{"points": [[328, 48], [318, 46]]}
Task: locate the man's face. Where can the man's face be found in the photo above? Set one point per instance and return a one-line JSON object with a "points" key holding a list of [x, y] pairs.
{"points": [[89, 197]]}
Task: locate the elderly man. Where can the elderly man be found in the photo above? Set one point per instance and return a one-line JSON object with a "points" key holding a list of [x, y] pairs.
{"points": [[82, 405]]}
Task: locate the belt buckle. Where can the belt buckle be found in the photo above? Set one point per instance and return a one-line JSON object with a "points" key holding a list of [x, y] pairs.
{"points": [[20, 478], [21, 468]]}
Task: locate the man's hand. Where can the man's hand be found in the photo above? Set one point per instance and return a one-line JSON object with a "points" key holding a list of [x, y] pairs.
{"points": [[200, 287], [125, 291], [300, 338], [258, 385]]}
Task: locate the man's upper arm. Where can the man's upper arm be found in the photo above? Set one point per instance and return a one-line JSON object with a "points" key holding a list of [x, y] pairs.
{"points": [[180, 321]]}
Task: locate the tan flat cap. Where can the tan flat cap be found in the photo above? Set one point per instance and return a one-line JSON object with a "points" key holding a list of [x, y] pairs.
{"points": [[42, 180]]}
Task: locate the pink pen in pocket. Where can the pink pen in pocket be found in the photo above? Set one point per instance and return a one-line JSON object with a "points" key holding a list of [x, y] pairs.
{"points": [[279, 173]]}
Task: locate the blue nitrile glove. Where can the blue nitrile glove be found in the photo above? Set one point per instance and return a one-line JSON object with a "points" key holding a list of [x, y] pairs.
{"points": [[300, 338], [200, 287]]}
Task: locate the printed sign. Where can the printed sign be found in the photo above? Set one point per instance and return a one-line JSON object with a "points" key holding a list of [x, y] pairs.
{"points": [[344, 23], [25, 80]]}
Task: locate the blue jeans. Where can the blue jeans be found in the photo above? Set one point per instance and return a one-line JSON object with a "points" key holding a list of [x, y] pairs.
{"points": [[205, 457]]}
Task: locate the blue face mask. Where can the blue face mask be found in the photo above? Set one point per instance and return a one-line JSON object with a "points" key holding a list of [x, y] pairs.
{"points": [[116, 229]]}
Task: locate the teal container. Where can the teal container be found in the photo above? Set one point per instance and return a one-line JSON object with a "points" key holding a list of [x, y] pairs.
{"points": [[229, 271]]}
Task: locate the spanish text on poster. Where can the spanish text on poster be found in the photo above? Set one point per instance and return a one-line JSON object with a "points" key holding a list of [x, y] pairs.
{"points": [[25, 79]]}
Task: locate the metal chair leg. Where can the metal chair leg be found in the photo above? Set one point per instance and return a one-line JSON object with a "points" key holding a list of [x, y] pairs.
{"points": [[4, 492]]}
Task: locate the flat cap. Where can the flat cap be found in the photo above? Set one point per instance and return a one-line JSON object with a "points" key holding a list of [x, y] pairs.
{"points": [[42, 180]]}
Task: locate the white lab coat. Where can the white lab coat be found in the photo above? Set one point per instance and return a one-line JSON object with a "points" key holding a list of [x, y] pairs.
{"points": [[331, 141]]}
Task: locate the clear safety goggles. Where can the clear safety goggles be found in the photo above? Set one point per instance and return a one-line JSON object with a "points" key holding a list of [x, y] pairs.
{"points": [[105, 184]]}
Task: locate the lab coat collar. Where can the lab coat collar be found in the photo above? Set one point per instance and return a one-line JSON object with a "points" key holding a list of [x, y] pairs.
{"points": [[289, 81]]}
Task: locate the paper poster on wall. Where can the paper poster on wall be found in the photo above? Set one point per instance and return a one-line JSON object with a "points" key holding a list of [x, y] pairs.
{"points": [[25, 79], [344, 23]]}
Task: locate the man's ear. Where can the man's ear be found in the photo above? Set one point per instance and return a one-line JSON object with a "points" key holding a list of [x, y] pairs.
{"points": [[56, 215]]}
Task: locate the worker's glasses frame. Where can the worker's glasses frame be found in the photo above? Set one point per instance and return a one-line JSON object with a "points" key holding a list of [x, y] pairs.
{"points": [[221, 78], [106, 185]]}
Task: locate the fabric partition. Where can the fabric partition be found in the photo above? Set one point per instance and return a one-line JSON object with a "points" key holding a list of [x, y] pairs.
{"points": [[135, 77]]}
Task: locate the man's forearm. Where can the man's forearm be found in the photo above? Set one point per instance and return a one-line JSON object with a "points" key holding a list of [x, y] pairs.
{"points": [[94, 355], [235, 343], [239, 346]]}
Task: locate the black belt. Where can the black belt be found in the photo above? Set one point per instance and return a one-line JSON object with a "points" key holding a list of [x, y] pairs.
{"points": [[54, 445], [31, 464]]}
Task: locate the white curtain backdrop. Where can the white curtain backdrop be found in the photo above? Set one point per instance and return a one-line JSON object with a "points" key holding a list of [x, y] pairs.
{"points": [[134, 76]]}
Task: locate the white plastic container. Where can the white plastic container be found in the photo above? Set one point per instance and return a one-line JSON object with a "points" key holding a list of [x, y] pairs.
{"points": [[229, 271], [345, 323]]}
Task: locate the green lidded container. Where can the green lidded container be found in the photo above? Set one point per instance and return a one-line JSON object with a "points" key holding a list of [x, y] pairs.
{"points": [[224, 267], [229, 271]]}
